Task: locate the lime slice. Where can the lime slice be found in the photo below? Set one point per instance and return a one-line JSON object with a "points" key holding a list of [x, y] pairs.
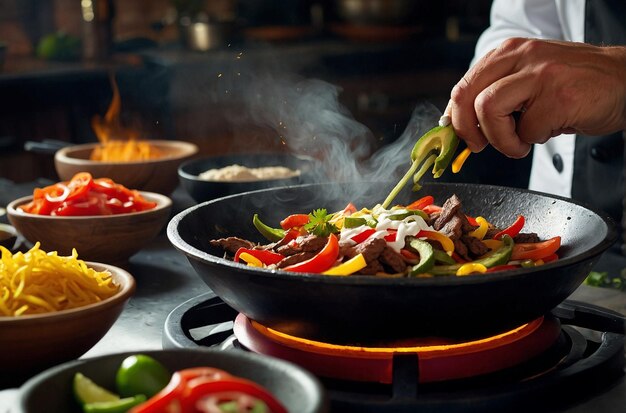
{"points": [[86, 391], [117, 406]]}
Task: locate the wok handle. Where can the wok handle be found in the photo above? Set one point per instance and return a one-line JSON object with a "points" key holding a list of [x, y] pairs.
{"points": [[46, 146]]}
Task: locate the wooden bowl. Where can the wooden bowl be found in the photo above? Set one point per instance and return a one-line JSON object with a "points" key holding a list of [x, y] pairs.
{"points": [[102, 238], [298, 390], [154, 175], [32, 343]]}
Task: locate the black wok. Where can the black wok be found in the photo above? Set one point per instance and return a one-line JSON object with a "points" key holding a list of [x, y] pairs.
{"points": [[365, 309]]}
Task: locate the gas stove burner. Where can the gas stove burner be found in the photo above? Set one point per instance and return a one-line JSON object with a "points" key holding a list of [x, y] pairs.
{"points": [[571, 354]]}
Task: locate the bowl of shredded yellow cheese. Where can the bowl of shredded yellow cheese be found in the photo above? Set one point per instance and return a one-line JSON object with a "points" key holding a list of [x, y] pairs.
{"points": [[54, 308]]}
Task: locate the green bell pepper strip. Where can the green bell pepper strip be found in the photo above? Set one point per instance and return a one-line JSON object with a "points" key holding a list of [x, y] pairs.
{"points": [[498, 257], [401, 216], [427, 256], [436, 147], [354, 222], [271, 234], [443, 257]]}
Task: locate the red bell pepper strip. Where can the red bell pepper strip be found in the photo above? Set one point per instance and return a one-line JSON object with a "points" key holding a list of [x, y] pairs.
{"points": [[421, 203], [267, 257], [391, 236], [176, 395], [322, 261], [513, 230], [349, 209], [409, 256], [537, 250], [203, 388], [362, 236], [294, 220], [472, 221], [550, 258], [458, 258], [430, 209]]}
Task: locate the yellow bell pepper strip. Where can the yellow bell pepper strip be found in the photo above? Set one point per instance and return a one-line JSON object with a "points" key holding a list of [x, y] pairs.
{"points": [[267, 257], [497, 257], [513, 230], [427, 257], [250, 259], [271, 234], [322, 261], [457, 164], [492, 244], [351, 266], [294, 220], [436, 147], [483, 226], [446, 243], [471, 268], [537, 250]]}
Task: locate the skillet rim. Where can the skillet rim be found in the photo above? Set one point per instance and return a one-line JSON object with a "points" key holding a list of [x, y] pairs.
{"points": [[176, 240]]}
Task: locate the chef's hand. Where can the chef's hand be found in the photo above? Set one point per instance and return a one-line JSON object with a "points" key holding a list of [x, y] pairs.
{"points": [[556, 87]]}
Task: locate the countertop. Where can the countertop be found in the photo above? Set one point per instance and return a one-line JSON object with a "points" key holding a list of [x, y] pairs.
{"points": [[165, 279]]}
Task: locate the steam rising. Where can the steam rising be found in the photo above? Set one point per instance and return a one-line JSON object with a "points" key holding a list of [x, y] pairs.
{"points": [[308, 119]]}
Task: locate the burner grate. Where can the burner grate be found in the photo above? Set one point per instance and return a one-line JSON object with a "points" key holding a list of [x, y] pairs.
{"points": [[585, 360]]}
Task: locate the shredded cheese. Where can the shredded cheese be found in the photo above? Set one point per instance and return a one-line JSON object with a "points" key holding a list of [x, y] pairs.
{"points": [[37, 282]]}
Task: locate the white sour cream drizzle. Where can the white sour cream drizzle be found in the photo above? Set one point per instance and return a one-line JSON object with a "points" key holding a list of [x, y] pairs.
{"points": [[410, 225]]}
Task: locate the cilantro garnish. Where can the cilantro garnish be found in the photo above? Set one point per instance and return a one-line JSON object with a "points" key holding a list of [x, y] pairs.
{"points": [[319, 223]]}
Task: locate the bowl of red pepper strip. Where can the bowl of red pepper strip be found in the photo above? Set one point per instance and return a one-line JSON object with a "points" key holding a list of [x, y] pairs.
{"points": [[103, 220], [283, 386]]}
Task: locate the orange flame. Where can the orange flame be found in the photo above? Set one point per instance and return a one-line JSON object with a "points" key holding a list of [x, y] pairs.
{"points": [[119, 143]]}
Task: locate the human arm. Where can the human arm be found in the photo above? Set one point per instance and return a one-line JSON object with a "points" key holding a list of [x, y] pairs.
{"points": [[561, 87]]}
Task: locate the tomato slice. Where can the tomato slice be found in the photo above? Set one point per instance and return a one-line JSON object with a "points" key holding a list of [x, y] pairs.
{"points": [[536, 251]]}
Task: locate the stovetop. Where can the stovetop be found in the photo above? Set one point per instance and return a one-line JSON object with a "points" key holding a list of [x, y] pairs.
{"points": [[583, 370]]}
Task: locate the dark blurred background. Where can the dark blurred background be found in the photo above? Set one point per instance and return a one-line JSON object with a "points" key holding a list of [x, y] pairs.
{"points": [[183, 67]]}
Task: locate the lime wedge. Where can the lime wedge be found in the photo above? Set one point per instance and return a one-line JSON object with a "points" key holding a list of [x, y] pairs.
{"points": [[86, 391], [117, 406]]}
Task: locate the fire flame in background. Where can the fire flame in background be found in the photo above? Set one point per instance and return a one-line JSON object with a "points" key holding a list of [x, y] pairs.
{"points": [[119, 143]]}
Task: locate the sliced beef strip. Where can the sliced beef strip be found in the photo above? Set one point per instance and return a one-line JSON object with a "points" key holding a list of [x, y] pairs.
{"points": [[453, 228], [461, 249], [294, 259], [232, 244], [524, 237], [309, 243], [475, 246], [448, 210], [393, 260], [370, 248], [372, 268]]}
